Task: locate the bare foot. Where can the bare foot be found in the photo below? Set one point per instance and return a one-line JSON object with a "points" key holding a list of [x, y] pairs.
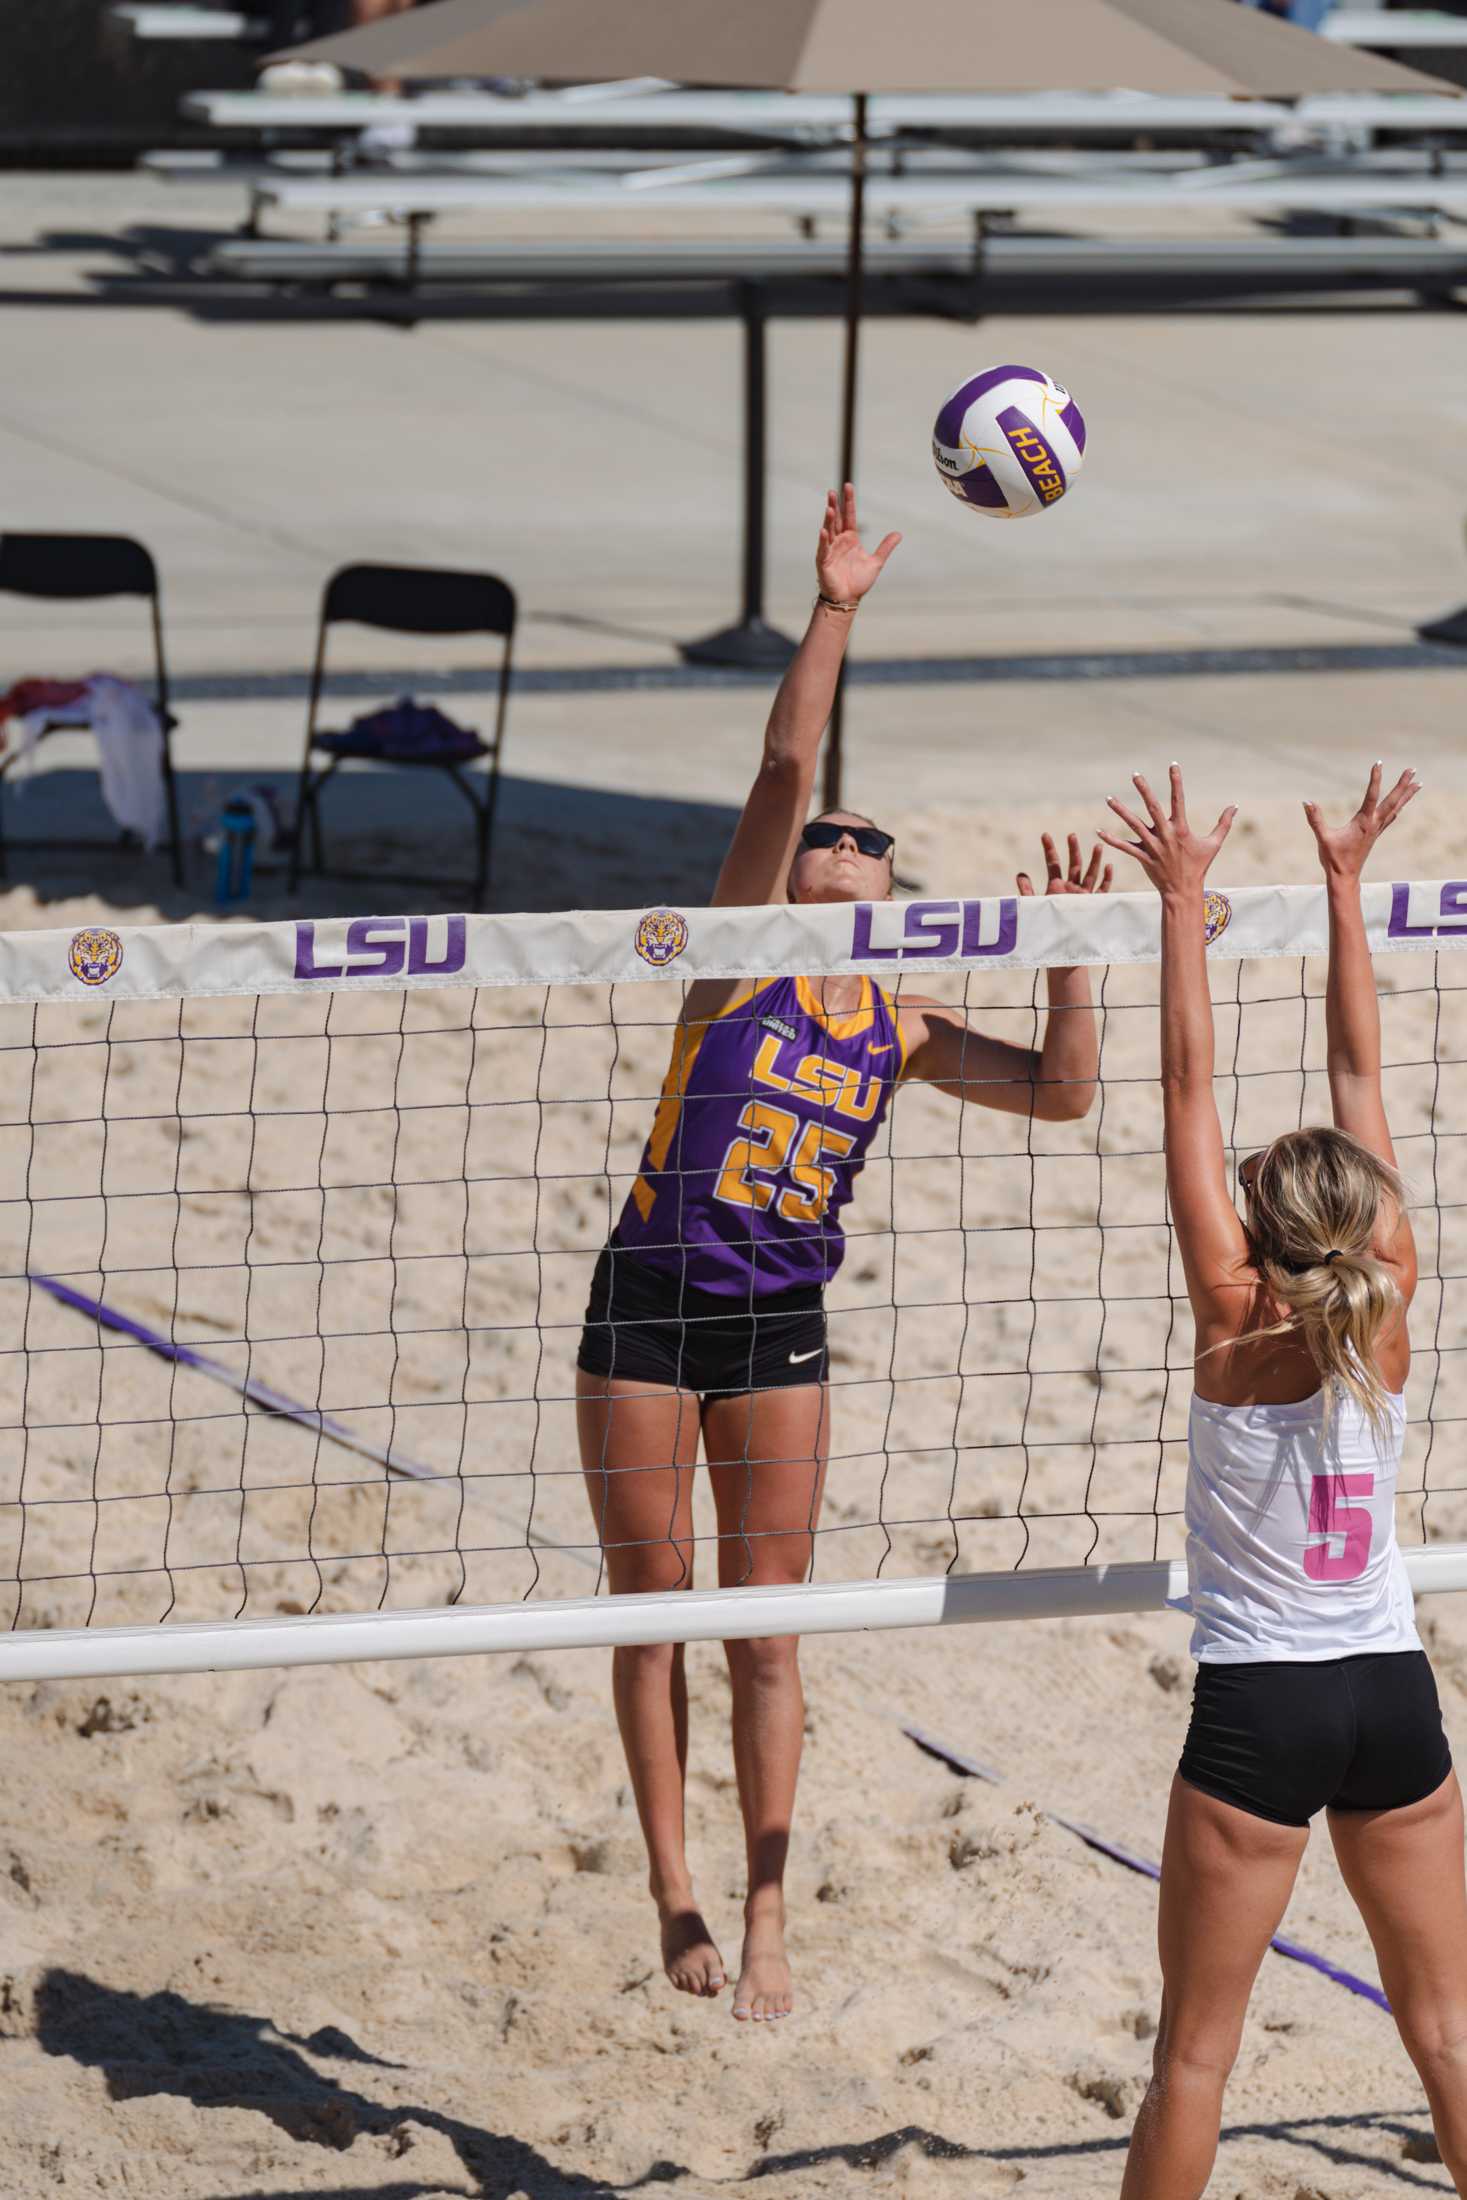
{"points": [[689, 1955], [763, 1994]]}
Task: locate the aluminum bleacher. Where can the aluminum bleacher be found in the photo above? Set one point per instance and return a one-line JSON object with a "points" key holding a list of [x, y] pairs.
{"points": [[174, 20], [1007, 118]]}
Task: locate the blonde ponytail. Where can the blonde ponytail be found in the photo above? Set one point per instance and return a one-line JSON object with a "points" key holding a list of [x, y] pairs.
{"points": [[1314, 1208]]}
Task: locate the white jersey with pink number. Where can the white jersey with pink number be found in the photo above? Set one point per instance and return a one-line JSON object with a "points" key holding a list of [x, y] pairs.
{"points": [[1291, 1532]]}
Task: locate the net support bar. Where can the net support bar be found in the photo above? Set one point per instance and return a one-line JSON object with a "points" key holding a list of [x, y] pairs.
{"points": [[585, 1623]]}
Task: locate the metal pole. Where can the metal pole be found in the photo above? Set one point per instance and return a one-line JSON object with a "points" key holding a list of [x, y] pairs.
{"points": [[751, 643], [579, 1623], [754, 440], [855, 288]]}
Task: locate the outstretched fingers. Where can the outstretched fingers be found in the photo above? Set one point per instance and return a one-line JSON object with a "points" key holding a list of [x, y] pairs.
{"points": [[885, 547], [1123, 848], [1093, 880], [1154, 810], [1179, 799], [1142, 831], [1407, 787]]}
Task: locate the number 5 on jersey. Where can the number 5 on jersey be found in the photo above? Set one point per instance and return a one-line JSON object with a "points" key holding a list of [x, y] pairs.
{"points": [[1330, 1518], [777, 1142]]}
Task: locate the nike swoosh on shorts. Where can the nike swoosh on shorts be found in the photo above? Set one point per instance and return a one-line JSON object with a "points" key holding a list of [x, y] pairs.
{"points": [[796, 1357]]}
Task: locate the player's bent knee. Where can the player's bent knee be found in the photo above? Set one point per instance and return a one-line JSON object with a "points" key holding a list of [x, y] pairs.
{"points": [[1194, 2065], [648, 1569], [765, 1657], [775, 1562], [646, 1657], [1436, 2041]]}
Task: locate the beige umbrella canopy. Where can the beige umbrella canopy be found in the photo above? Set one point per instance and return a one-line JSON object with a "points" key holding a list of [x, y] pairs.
{"points": [[1172, 46], [1177, 47]]}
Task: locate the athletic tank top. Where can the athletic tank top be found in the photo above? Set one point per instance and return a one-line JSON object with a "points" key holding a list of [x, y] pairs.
{"points": [[1291, 1532], [766, 1116]]}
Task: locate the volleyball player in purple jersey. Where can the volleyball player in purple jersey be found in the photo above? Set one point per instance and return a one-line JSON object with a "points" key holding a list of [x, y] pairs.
{"points": [[706, 1315], [1313, 1691]]}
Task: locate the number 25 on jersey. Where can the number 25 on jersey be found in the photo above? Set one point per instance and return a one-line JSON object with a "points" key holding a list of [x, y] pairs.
{"points": [[777, 1142]]}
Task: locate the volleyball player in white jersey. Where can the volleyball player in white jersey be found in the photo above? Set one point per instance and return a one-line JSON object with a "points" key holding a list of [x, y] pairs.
{"points": [[1313, 1692]]}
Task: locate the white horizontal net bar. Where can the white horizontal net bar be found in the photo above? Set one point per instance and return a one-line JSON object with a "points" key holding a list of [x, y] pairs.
{"points": [[582, 1623]]}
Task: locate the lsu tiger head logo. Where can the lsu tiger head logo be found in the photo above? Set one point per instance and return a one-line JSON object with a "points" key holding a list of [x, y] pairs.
{"points": [[1217, 915], [94, 956], [661, 937]]}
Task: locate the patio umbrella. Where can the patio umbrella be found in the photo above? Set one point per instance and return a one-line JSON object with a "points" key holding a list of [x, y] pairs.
{"points": [[860, 47]]}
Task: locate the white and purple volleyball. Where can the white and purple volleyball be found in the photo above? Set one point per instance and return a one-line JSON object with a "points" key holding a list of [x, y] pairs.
{"points": [[1009, 442]]}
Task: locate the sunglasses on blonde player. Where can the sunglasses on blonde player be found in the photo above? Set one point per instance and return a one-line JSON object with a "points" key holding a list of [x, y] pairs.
{"points": [[868, 838]]}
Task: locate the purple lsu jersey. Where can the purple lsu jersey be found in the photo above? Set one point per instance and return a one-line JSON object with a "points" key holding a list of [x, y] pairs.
{"points": [[766, 1116]]}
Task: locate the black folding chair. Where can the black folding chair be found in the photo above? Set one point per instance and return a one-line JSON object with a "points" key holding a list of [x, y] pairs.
{"points": [[76, 567], [408, 599]]}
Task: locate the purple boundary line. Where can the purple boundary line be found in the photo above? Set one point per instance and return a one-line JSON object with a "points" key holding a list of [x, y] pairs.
{"points": [[260, 1394], [976, 1770], [275, 1401]]}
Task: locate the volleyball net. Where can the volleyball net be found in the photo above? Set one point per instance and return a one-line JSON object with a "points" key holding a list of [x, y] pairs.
{"points": [[299, 1222]]}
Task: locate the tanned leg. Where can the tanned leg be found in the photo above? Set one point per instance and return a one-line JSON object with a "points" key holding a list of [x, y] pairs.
{"points": [[1226, 1878], [766, 1455], [638, 1447], [1404, 1869]]}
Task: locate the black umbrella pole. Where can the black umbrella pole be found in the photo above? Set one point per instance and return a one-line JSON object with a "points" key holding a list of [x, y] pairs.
{"points": [[751, 643], [855, 289]]}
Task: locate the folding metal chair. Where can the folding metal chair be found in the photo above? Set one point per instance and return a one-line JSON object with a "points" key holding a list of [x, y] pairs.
{"points": [[407, 599], [78, 567]]}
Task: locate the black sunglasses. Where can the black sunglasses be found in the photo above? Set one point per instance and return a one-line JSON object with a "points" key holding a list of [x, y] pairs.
{"points": [[871, 841]]}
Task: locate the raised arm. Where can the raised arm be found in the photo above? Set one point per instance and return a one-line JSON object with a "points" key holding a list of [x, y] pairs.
{"points": [[1351, 1004], [1352, 1008], [1055, 1081], [1210, 1236], [763, 846]]}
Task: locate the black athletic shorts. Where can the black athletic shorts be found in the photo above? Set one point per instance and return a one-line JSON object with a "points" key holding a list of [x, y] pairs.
{"points": [[647, 1327], [1284, 1740]]}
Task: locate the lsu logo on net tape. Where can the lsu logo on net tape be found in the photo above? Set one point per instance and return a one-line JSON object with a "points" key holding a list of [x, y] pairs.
{"points": [[1217, 915], [94, 956], [661, 937]]}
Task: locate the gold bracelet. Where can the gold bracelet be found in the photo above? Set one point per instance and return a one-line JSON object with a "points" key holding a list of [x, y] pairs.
{"points": [[832, 604]]}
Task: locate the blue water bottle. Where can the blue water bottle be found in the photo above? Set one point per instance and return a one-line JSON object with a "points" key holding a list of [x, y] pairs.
{"points": [[236, 869]]}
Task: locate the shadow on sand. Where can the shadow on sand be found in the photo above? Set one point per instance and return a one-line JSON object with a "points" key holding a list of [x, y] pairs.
{"points": [[555, 847], [148, 2044], [162, 2043], [1324, 2139]]}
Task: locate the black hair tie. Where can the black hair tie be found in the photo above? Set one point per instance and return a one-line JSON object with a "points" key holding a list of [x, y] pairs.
{"points": [[1331, 1256]]}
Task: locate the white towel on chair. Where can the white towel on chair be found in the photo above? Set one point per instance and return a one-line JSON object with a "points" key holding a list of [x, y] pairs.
{"points": [[129, 750]]}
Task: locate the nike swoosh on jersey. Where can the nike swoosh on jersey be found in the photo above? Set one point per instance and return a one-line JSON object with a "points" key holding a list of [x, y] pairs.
{"points": [[882, 1050], [796, 1357]]}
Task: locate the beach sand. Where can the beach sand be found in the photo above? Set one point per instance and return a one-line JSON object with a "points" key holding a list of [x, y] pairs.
{"points": [[381, 1931]]}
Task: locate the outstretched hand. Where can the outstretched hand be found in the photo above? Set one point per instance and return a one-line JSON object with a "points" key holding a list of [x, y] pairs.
{"points": [[1174, 858], [1344, 848], [1059, 880], [843, 569]]}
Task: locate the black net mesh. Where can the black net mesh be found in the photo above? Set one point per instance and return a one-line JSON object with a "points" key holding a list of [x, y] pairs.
{"points": [[291, 1292]]}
